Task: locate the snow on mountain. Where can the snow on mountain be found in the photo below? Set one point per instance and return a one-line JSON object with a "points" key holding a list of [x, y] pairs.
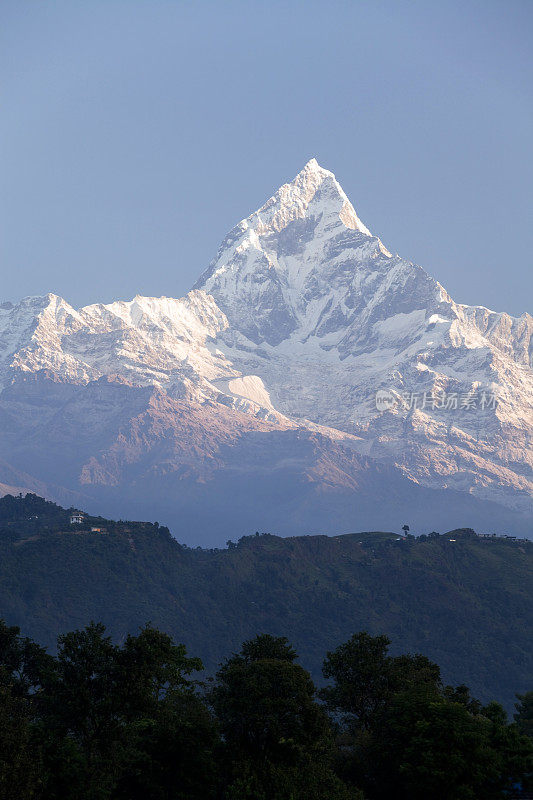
{"points": [[147, 341], [327, 316], [300, 319], [284, 268]]}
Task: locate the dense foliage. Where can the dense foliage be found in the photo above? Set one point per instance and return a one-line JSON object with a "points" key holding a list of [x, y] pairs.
{"points": [[100, 721], [466, 603]]}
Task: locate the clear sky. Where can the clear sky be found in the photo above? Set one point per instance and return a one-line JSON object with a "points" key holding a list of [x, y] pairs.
{"points": [[136, 133]]}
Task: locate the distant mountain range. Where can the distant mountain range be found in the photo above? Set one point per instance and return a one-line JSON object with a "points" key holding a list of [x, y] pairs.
{"points": [[311, 381]]}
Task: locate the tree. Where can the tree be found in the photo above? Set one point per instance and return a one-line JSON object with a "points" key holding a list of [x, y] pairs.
{"points": [[22, 662], [524, 713], [365, 677], [126, 722], [412, 670], [171, 736], [277, 738], [171, 754], [22, 666], [81, 716], [149, 668], [360, 679], [512, 750], [461, 694], [130, 722], [405, 736], [424, 746], [20, 761]]}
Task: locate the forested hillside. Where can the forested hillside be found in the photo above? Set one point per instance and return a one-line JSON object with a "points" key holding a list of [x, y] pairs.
{"points": [[462, 600]]}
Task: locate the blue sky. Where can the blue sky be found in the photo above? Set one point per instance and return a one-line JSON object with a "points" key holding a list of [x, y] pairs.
{"points": [[135, 134]]}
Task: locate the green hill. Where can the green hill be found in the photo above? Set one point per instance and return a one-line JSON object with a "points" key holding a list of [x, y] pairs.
{"points": [[462, 600]]}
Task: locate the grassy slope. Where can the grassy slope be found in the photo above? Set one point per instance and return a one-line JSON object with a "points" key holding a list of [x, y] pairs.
{"points": [[466, 604]]}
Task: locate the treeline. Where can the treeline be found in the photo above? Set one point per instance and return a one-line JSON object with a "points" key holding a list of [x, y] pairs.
{"points": [[101, 721]]}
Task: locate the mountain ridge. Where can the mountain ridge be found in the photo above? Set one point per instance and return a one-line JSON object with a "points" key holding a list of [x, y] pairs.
{"points": [[461, 599], [301, 318]]}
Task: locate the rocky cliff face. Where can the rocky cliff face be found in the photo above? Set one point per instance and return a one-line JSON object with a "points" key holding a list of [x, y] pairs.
{"points": [[302, 317]]}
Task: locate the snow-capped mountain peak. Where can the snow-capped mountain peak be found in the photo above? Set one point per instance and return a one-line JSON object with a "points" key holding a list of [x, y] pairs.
{"points": [[288, 264], [300, 319], [314, 192]]}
